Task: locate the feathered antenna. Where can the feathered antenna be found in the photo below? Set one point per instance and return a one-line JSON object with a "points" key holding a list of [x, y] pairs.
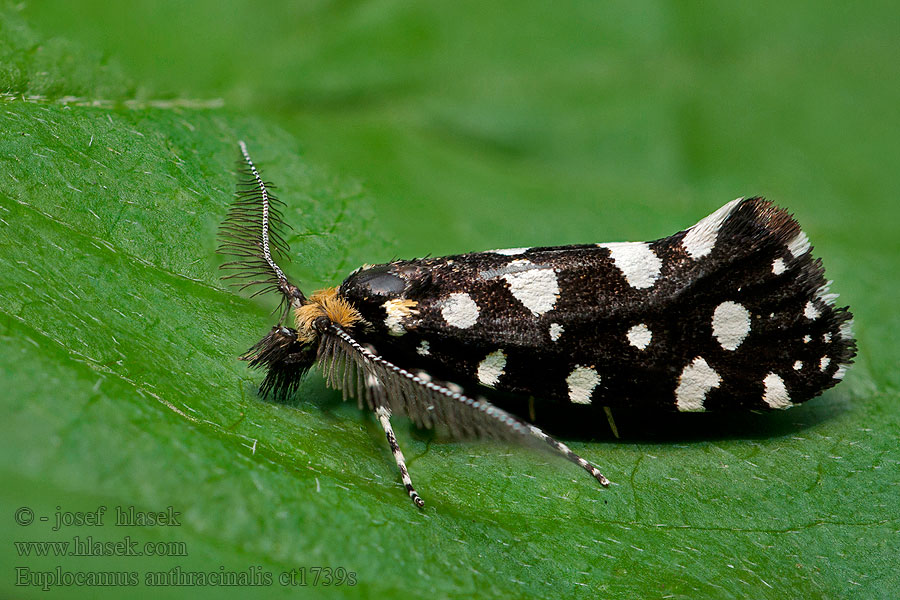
{"points": [[252, 232]]}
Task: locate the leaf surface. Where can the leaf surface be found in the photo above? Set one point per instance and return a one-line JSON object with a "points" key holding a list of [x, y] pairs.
{"points": [[521, 127]]}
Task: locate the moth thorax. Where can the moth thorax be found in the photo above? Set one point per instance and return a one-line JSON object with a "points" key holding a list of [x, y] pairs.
{"points": [[327, 304]]}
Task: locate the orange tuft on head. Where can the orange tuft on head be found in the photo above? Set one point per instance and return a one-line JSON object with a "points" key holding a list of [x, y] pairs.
{"points": [[325, 303]]}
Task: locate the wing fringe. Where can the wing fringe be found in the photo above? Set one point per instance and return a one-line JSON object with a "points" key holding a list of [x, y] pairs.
{"points": [[362, 374]]}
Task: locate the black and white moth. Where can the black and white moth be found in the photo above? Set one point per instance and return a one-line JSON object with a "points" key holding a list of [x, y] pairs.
{"points": [[731, 314]]}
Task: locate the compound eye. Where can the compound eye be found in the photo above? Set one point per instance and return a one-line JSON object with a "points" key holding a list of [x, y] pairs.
{"points": [[379, 281]]}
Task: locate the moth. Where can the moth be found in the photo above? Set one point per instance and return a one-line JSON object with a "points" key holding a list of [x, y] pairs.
{"points": [[731, 314]]}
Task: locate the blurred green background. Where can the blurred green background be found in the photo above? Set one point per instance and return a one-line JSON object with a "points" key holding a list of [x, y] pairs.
{"points": [[397, 129]]}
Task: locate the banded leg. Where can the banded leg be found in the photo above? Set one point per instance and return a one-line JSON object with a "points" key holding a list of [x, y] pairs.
{"points": [[564, 450], [418, 395], [384, 417]]}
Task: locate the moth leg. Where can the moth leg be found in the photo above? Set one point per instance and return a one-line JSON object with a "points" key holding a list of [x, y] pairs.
{"points": [[564, 450], [612, 422], [384, 417], [417, 395]]}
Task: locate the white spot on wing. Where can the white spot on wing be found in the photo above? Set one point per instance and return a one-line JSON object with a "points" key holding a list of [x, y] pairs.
{"points": [[776, 394], [846, 329], [423, 348], [826, 337], [491, 368], [639, 336], [823, 364], [806, 339], [534, 286], [694, 383], [730, 324], [701, 238], [556, 330], [829, 298], [778, 266], [459, 310], [509, 251], [397, 310], [841, 371], [799, 245], [636, 260], [825, 295], [811, 312], [798, 365], [582, 381]]}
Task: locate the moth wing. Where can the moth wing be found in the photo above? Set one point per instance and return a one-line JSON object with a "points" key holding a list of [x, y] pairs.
{"points": [[732, 313], [746, 314]]}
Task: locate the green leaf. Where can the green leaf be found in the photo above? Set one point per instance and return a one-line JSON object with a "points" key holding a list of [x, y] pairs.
{"points": [[472, 127]]}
